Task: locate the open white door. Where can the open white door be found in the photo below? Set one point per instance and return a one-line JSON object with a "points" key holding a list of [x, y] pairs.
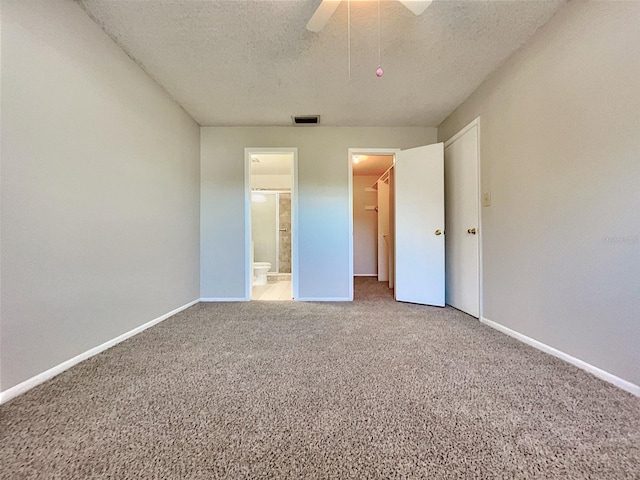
{"points": [[419, 225]]}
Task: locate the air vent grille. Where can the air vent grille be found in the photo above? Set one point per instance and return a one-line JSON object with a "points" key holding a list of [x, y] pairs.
{"points": [[306, 120]]}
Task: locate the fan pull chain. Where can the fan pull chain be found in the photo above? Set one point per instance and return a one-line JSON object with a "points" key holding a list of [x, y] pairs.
{"points": [[349, 34], [379, 71]]}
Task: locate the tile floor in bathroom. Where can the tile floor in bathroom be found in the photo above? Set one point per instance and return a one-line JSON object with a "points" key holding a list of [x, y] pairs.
{"points": [[277, 288]]}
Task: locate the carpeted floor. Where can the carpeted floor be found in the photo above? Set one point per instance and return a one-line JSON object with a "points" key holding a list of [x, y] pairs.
{"points": [[372, 389]]}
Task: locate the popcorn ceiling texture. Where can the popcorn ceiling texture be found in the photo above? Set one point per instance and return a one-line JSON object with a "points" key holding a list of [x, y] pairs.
{"points": [[253, 62], [369, 389]]}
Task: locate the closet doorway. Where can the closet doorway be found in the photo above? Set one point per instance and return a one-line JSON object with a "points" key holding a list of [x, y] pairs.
{"points": [[416, 222], [270, 223], [371, 222]]}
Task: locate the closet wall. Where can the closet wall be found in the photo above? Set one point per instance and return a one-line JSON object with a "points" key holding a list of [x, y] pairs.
{"points": [[365, 226], [383, 230], [385, 233]]}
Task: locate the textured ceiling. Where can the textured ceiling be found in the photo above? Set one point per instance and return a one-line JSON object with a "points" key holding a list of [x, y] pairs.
{"points": [[252, 62]]}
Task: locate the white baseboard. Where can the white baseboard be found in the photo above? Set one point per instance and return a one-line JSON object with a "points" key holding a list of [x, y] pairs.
{"points": [[324, 299], [224, 299], [598, 372], [36, 380], [306, 299]]}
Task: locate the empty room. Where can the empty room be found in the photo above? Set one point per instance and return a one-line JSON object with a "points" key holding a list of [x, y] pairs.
{"points": [[319, 239]]}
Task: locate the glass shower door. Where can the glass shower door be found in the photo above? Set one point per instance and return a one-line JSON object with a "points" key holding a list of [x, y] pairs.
{"points": [[264, 223]]}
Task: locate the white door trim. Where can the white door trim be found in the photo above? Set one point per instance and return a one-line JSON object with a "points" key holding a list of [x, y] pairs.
{"points": [[351, 152], [465, 129], [248, 151]]}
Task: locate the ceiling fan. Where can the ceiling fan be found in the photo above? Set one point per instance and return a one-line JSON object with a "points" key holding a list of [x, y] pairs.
{"points": [[327, 7]]}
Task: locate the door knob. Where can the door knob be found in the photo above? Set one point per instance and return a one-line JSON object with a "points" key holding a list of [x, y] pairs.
{"points": [[472, 231], [438, 232]]}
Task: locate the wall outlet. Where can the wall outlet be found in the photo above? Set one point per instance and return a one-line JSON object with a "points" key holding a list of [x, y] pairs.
{"points": [[486, 199]]}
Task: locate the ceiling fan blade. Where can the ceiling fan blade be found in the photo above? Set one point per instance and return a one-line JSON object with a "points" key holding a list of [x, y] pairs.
{"points": [[416, 6], [322, 15]]}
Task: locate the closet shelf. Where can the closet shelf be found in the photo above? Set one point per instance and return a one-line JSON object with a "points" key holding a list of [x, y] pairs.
{"points": [[384, 177]]}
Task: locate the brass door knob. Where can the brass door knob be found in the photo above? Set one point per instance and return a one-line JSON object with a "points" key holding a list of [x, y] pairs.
{"points": [[472, 231], [438, 232]]}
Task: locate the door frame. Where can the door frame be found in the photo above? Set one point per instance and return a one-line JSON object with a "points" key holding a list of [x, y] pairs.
{"points": [[350, 153], [248, 151], [475, 123]]}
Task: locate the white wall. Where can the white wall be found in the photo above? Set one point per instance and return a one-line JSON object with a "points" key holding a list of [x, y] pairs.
{"points": [[99, 191], [271, 182], [323, 204], [560, 152], [365, 226]]}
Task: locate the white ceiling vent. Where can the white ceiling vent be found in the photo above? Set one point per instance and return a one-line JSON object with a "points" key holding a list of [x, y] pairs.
{"points": [[306, 120]]}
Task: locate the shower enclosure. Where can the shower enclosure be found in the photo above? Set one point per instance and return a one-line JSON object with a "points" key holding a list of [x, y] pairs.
{"points": [[271, 228]]}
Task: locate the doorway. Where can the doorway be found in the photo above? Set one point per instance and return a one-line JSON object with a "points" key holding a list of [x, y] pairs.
{"points": [[270, 224], [416, 222], [368, 252], [462, 205]]}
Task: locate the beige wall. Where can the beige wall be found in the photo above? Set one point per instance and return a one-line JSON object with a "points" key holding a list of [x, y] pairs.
{"points": [[271, 182], [365, 227], [323, 203], [100, 191], [560, 153]]}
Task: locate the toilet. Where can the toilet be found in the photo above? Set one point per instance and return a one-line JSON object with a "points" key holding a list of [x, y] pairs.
{"points": [[260, 270]]}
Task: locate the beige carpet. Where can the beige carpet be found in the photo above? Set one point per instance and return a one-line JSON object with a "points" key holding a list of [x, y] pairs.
{"points": [[372, 389]]}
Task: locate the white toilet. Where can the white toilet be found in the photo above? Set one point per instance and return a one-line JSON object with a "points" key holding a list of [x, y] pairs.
{"points": [[260, 270]]}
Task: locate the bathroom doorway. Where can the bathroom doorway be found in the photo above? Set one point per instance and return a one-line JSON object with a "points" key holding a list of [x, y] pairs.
{"points": [[270, 221]]}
